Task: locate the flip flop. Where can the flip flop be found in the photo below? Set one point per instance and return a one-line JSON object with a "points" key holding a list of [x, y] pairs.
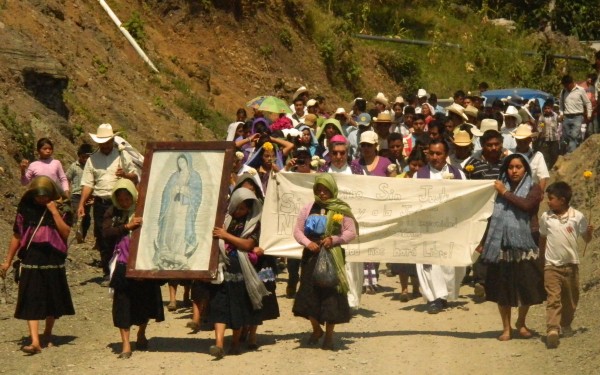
{"points": [[216, 351]]}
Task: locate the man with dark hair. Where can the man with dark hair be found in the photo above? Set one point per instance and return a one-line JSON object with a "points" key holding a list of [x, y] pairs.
{"points": [[575, 109], [459, 97], [596, 66], [74, 174], [483, 87], [485, 167], [433, 100], [439, 283], [299, 112]]}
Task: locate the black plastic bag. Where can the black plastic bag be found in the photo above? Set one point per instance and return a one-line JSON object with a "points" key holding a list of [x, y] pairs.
{"points": [[325, 274]]}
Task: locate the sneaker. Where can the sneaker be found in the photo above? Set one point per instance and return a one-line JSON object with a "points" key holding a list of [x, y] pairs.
{"points": [[552, 339]]}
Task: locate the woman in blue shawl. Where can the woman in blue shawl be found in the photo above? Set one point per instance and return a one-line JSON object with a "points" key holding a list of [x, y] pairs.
{"points": [[514, 277], [180, 201]]}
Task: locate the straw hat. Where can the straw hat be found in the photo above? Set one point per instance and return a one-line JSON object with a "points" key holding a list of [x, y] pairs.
{"points": [[310, 119], [421, 93], [369, 137], [471, 111], [301, 90], [383, 117], [103, 134], [380, 98], [523, 131], [340, 111], [399, 100], [458, 110], [486, 124], [462, 138], [311, 102]]}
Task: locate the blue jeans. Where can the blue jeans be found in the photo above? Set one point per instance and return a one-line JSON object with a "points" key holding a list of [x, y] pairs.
{"points": [[572, 131]]}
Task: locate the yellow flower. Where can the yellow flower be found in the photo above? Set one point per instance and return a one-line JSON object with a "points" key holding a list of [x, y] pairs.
{"points": [[469, 168], [338, 218], [587, 175], [267, 146]]}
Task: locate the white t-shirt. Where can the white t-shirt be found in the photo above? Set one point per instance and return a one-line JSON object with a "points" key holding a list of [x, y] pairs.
{"points": [[435, 174], [539, 169], [561, 236], [344, 170]]}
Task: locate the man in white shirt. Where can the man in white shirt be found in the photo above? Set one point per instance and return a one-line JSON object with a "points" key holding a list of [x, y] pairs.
{"points": [[299, 107], [511, 120], [439, 283], [575, 109], [539, 169], [303, 94], [100, 174]]}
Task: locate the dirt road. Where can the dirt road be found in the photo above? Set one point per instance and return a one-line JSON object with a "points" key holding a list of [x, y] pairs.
{"points": [[384, 337]]}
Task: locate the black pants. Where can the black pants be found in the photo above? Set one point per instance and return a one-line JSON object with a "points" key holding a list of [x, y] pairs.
{"points": [[100, 207]]}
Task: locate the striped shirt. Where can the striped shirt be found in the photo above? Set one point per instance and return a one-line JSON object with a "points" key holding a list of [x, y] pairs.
{"points": [[483, 170], [548, 126]]}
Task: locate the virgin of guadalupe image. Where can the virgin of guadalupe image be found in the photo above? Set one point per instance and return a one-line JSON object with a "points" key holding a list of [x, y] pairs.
{"points": [[176, 240]]}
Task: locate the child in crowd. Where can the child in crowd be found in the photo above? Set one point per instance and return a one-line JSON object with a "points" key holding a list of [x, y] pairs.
{"points": [[74, 173], [44, 166], [416, 160], [559, 229]]}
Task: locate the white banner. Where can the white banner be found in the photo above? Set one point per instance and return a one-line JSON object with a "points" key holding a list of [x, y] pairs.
{"points": [[401, 220]]}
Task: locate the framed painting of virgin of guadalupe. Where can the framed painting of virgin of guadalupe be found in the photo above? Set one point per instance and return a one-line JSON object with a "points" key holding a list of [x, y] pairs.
{"points": [[182, 196]]}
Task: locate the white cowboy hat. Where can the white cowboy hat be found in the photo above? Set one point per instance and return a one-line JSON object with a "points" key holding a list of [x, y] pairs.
{"points": [[458, 110], [340, 111], [311, 102], [523, 131], [512, 111], [471, 111], [380, 98], [104, 133], [301, 90], [422, 93]]}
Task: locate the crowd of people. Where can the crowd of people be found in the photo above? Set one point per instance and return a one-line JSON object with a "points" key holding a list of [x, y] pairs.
{"points": [[524, 260]]}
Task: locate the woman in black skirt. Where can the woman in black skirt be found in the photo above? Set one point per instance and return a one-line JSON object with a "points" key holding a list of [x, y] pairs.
{"points": [[135, 302], [323, 225], [40, 235], [514, 276], [237, 301]]}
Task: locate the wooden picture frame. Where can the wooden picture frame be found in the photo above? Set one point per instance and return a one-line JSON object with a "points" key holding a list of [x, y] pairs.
{"points": [[182, 196]]}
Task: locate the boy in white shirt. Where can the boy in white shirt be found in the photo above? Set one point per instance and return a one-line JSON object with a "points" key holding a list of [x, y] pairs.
{"points": [[559, 229]]}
